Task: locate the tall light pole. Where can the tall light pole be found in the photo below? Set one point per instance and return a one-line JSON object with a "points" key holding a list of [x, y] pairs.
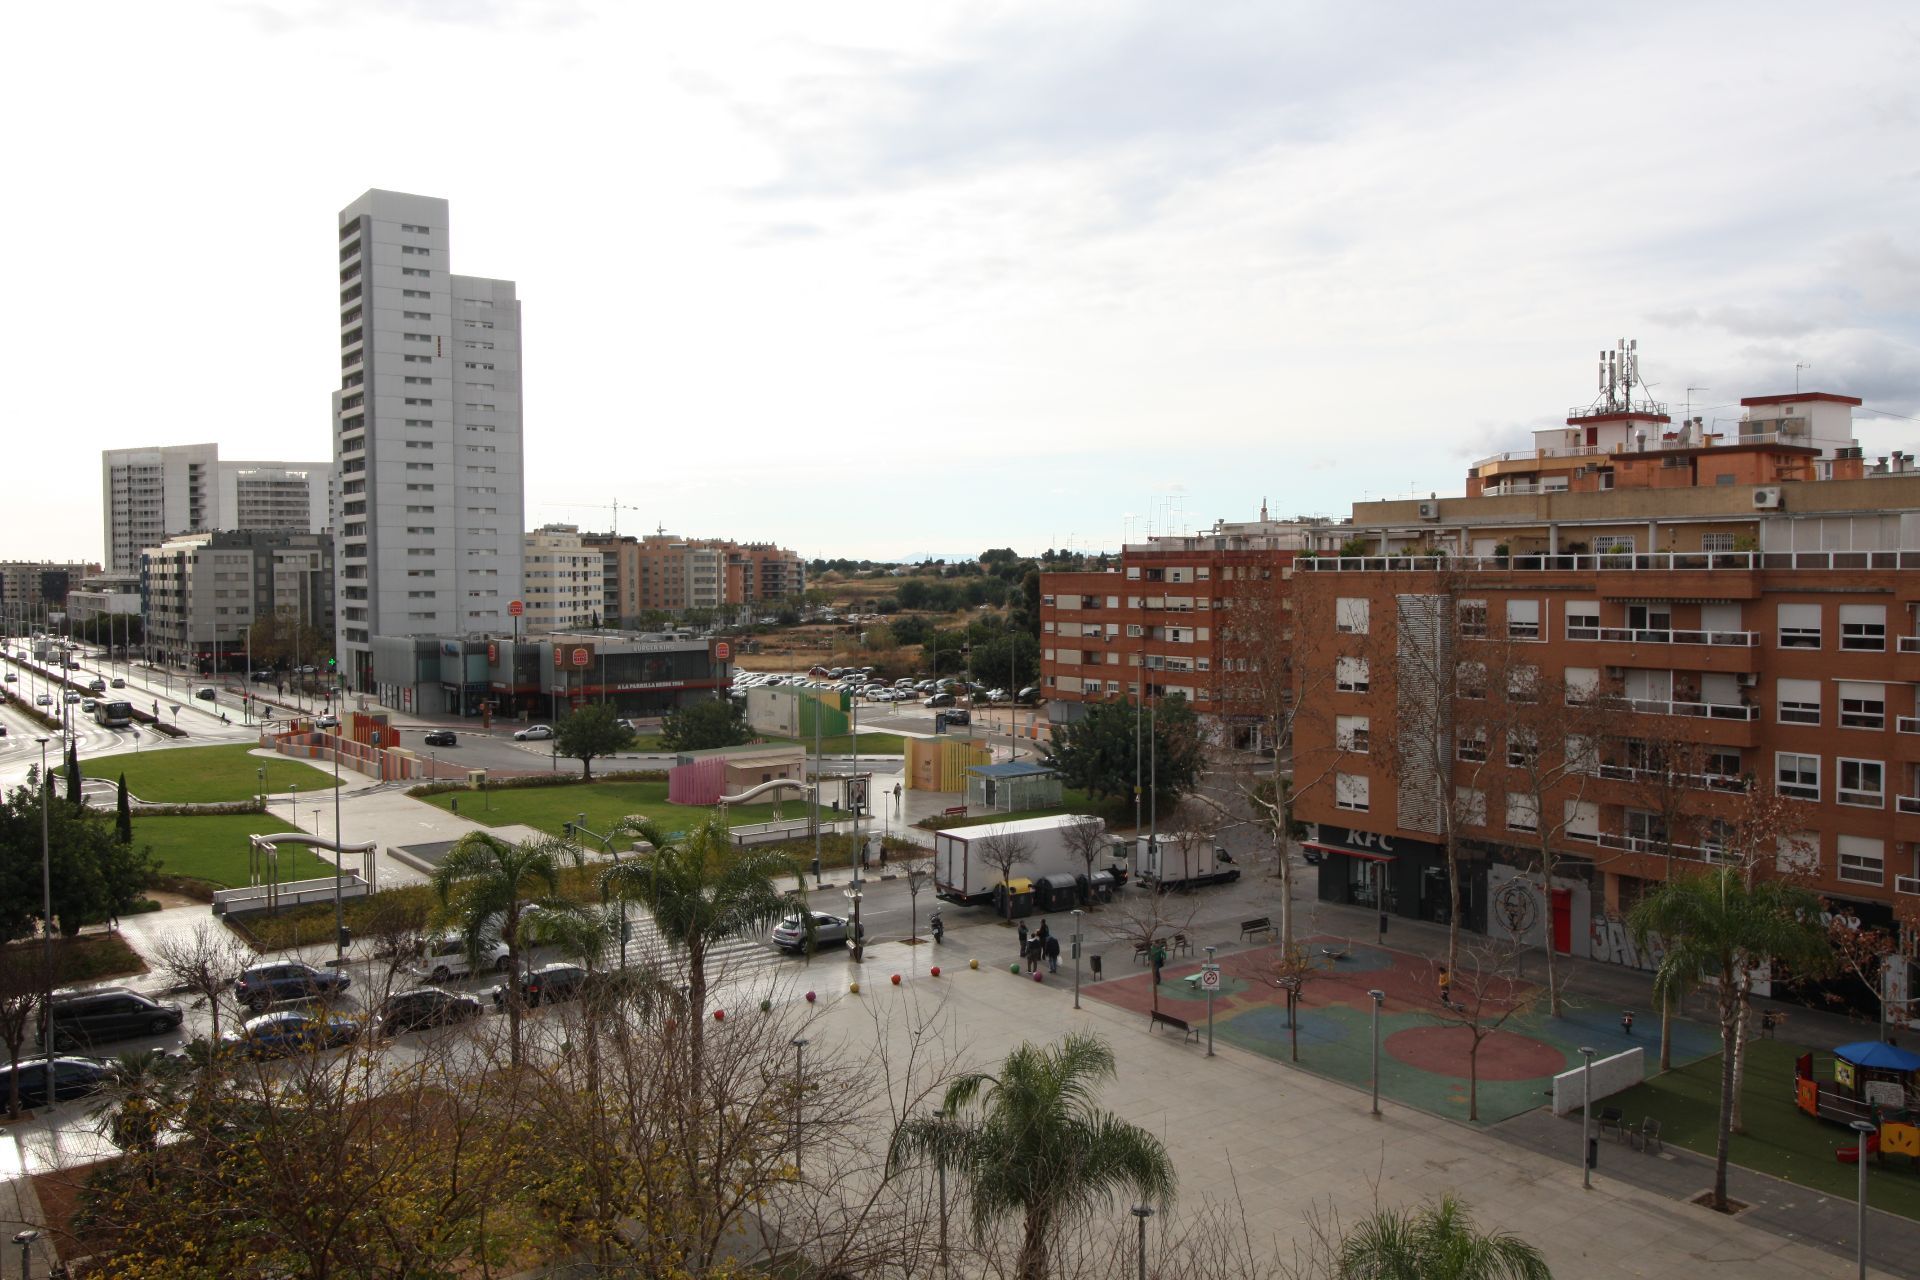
{"points": [[1377, 996], [1862, 1130], [799, 1092], [46, 911], [1076, 913], [1587, 1152], [1142, 1213], [339, 858]]}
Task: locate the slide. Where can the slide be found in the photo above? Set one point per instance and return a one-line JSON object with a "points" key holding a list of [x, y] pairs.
{"points": [[765, 787]]}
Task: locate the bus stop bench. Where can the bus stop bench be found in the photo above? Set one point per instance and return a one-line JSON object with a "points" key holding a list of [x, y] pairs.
{"points": [[1259, 924], [1159, 1019]]}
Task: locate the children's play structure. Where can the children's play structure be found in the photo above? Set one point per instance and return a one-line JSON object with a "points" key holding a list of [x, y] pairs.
{"points": [[1873, 1082]]}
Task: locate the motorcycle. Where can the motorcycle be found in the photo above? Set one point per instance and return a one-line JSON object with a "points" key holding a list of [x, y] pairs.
{"points": [[939, 926]]}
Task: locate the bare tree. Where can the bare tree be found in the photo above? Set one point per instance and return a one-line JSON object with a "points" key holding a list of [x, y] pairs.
{"points": [[1086, 839], [22, 979], [919, 876], [204, 963], [1486, 991], [1004, 849], [1291, 969], [1149, 921]]}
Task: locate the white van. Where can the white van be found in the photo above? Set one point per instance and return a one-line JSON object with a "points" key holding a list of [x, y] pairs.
{"points": [[445, 957]]}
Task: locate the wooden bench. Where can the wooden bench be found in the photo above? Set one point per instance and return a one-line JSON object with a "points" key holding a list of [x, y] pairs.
{"points": [[1259, 924], [1159, 1019], [1180, 943], [956, 811]]}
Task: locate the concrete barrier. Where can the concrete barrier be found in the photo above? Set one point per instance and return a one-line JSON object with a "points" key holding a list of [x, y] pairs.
{"points": [[1616, 1074], [251, 899]]}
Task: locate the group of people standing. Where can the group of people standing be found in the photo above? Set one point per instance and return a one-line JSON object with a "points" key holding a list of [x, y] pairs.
{"points": [[1038, 945]]}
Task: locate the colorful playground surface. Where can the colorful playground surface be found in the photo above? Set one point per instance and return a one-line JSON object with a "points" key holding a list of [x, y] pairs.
{"points": [[1423, 1055]]}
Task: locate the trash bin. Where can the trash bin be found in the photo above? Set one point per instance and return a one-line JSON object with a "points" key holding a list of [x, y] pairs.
{"points": [[939, 722], [1014, 898], [1059, 891], [346, 937], [1094, 963], [1100, 886]]}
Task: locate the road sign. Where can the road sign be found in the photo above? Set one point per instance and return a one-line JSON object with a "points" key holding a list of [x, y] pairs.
{"points": [[516, 607], [1210, 977]]}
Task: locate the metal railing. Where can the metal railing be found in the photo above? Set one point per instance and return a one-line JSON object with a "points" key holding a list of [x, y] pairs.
{"points": [[1647, 844], [1644, 635], [1907, 724], [1693, 710], [1906, 884], [1698, 781], [1616, 561]]}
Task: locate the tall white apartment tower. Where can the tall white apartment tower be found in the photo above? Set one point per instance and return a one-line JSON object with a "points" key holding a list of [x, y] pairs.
{"points": [[427, 435]]}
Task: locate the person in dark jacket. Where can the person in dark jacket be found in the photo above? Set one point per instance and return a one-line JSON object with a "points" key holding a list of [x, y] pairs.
{"points": [[1035, 950], [1051, 949], [1023, 939]]}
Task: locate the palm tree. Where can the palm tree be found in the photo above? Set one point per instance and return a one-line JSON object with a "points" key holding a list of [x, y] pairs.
{"points": [[138, 1098], [1039, 1148], [1717, 927], [702, 891], [1435, 1242], [485, 886]]}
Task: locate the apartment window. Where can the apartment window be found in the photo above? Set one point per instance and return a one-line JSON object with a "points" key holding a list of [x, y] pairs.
{"points": [[1582, 756], [420, 528], [419, 488], [419, 466], [1799, 626], [1523, 684], [1473, 617], [1470, 806], [1470, 680], [418, 337], [1716, 542], [1350, 675], [1862, 706], [418, 359], [1351, 615], [1863, 627], [1797, 853], [416, 293], [421, 272], [416, 315], [1471, 745], [1583, 619], [1523, 749], [478, 324], [477, 346], [418, 403], [1522, 813], [474, 364], [1796, 775], [415, 249], [415, 228], [1797, 701], [418, 444], [414, 380], [1862, 859], [1523, 619], [1863, 783], [1582, 820], [1351, 733], [1582, 683], [1351, 791]]}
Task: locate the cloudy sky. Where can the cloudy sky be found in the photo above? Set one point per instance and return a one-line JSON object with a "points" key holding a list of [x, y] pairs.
{"points": [[899, 278]]}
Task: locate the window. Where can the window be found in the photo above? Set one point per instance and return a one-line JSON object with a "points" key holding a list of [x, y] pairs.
{"points": [[415, 381], [1796, 775], [418, 337], [1470, 806], [1351, 733], [1350, 675], [418, 359], [415, 271], [1797, 701], [1863, 783], [1583, 619], [1350, 791], [1473, 617], [420, 250], [1862, 859], [1351, 615], [1862, 706], [416, 293], [1582, 820], [1799, 626], [1523, 619], [1523, 684], [1522, 815], [416, 315], [1716, 541], [1471, 745], [1470, 680], [1863, 627], [427, 404], [1582, 756], [415, 227], [1523, 749], [1798, 853], [1582, 683]]}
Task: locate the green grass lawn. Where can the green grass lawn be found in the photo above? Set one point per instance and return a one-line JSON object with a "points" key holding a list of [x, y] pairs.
{"points": [[213, 846], [840, 744], [204, 775], [604, 803], [1780, 1139]]}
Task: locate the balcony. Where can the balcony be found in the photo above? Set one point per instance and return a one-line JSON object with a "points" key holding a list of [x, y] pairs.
{"points": [[1906, 884], [1617, 562], [1660, 848], [1907, 724], [1641, 635], [1694, 710], [1725, 783]]}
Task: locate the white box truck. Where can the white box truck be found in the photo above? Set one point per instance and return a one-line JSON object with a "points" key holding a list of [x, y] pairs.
{"points": [[962, 874], [1181, 860]]}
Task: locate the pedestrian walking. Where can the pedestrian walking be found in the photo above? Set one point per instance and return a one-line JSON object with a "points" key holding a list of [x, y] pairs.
{"points": [[1159, 961], [1023, 939], [1045, 932], [1051, 948], [1035, 950]]}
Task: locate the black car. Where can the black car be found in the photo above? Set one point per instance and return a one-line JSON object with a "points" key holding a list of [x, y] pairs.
{"points": [[205, 695], [291, 1031], [546, 984], [440, 738], [424, 1007], [83, 1018], [265, 984], [940, 700], [958, 715], [72, 1078], [1028, 696]]}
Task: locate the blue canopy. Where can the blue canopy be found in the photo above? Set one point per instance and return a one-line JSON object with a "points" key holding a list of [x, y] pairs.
{"points": [[1881, 1057]]}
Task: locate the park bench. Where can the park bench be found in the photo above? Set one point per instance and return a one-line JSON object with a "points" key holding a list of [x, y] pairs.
{"points": [[1614, 1121], [1180, 943], [1159, 1019], [1259, 924], [956, 811], [1647, 1137]]}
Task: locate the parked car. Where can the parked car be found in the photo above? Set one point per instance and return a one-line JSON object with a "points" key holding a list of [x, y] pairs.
{"points": [[445, 957], [265, 984], [85, 1018], [440, 738], [940, 700], [72, 1078], [276, 1035], [327, 721], [308, 670], [424, 1007], [791, 933], [548, 983], [534, 733], [1028, 696], [205, 695]]}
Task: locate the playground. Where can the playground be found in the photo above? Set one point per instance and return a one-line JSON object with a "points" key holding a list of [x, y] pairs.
{"points": [[1423, 1055]]}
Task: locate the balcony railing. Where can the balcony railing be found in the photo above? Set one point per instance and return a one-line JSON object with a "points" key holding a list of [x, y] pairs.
{"points": [[1909, 644], [1907, 724], [1643, 635], [1906, 884], [1698, 781], [1648, 844], [1612, 562], [1693, 710]]}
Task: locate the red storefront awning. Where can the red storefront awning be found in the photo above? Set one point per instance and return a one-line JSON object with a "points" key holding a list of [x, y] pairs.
{"points": [[1317, 847]]}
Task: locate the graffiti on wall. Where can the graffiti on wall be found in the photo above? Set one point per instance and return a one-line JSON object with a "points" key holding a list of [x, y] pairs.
{"points": [[1613, 943]]}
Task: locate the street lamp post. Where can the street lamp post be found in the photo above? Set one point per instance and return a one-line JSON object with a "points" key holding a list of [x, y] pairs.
{"points": [[1862, 1130], [799, 1090], [1076, 913], [46, 915], [1587, 1152], [1377, 996], [339, 859], [1142, 1213]]}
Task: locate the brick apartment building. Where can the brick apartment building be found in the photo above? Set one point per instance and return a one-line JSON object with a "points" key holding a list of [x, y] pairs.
{"points": [[668, 574], [1716, 611]]}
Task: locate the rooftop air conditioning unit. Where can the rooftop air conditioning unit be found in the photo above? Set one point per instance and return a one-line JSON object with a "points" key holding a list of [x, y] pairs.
{"points": [[1767, 498], [1429, 511]]}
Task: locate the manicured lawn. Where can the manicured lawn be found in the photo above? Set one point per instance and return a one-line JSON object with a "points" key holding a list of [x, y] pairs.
{"points": [[604, 803], [204, 775], [840, 744], [1779, 1139], [213, 846]]}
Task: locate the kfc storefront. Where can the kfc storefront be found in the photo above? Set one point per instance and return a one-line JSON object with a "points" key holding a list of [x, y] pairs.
{"points": [[1395, 875]]}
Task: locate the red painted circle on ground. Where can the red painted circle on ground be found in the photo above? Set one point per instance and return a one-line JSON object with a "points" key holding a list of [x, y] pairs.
{"points": [[1503, 1055]]}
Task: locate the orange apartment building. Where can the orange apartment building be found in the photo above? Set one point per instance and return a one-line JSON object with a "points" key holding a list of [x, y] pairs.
{"points": [[1744, 605], [1157, 625], [661, 572]]}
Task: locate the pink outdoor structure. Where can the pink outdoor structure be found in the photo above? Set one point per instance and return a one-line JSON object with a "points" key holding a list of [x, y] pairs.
{"points": [[701, 782]]}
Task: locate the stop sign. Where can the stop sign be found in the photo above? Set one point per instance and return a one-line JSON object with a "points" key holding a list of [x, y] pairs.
{"points": [[516, 607]]}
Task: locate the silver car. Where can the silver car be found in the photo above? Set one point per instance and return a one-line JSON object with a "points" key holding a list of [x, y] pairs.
{"points": [[791, 933]]}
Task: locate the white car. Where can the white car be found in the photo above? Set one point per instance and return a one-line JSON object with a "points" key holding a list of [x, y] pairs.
{"points": [[446, 957], [533, 733], [328, 721]]}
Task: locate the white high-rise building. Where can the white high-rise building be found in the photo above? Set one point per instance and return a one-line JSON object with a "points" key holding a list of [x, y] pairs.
{"points": [[427, 435], [151, 494], [565, 581]]}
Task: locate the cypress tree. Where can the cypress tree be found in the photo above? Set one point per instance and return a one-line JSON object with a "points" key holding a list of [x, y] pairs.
{"points": [[123, 826]]}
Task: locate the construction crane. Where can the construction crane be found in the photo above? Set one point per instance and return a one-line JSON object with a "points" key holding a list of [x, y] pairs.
{"points": [[615, 506]]}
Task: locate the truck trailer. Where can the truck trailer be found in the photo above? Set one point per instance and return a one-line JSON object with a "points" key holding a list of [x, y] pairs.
{"points": [[1049, 864], [1181, 860]]}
